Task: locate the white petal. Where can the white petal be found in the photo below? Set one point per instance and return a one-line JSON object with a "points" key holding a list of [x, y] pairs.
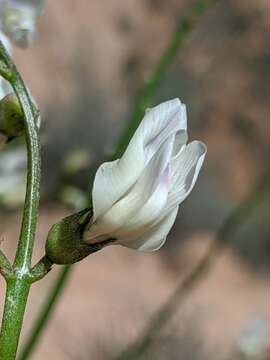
{"points": [[5, 88], [140, 204], [185, 168], [154, 238], [161, 122], [114, 179]]}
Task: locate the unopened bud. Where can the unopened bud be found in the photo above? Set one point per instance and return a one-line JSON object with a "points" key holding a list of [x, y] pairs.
{"points": [[65, 244], [11, 117]]}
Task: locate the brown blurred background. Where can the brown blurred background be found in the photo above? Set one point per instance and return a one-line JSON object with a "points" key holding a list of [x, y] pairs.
{"points": [[90, 60]]}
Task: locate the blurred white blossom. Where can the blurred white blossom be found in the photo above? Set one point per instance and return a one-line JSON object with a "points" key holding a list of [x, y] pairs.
{"points": [[136, 198], [5, 88], [18, 20], [254, 339], [12, 177]]}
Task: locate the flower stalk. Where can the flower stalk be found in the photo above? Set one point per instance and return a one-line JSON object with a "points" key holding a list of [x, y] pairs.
{"points": [[19, 279]]}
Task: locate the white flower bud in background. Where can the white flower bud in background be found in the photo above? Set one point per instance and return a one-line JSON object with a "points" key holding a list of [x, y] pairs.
{"points": [[18, 19], [5, 88], [136, 198], [12, 177]]}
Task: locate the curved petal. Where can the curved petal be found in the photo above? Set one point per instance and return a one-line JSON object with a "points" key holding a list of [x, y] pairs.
{"points": [[185, 168], [154, 238], [145, 197], [147, 214], [114, 179], [161, 122]]}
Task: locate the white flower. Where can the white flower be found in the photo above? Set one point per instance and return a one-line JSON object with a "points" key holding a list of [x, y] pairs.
{"points": [[13, 165], [18, 19], [136, 198], [5, 88]]}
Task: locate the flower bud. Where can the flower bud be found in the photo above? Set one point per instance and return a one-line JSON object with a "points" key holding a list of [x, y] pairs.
{"points": [[5, 87], [11, 117], [64, 244]]}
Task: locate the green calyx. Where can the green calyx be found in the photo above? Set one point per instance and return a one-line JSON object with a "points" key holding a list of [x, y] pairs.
{"points": [[11, 117], [65, 244]]}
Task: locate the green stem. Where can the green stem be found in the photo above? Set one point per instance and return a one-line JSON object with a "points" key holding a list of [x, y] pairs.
{"points": [[16, 297], [143, 100], [45, 313], [41, 269], [30, 212], [18, 283]]}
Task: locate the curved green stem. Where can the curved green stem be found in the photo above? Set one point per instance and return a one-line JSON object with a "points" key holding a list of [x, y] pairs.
{"points": [[18, 283], [143, 100], [30, 212]]}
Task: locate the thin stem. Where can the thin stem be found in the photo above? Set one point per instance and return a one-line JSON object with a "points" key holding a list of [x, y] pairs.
{"points": [[217, 248], [143, 100], [41, 269], [18, 283], [16, 298], [145, 96], [45, 313], [30, 212]]}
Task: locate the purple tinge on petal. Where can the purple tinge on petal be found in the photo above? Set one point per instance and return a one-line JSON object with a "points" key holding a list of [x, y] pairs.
{"points": [[164, 178]]}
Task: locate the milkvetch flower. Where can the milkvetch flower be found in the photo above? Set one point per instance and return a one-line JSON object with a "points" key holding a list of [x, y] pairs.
{"points": [[136, 198]]}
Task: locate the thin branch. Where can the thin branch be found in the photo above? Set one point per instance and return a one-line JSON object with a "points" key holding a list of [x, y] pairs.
{"points": [[41, 269], [145, 97], [221, 242]]}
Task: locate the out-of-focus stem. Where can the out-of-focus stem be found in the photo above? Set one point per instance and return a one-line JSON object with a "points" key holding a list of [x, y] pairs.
{"points": [[145, 96], [223, 238]]}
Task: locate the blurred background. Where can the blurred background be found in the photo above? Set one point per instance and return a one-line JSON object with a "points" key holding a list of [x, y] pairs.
{"points": [[90, 60]]}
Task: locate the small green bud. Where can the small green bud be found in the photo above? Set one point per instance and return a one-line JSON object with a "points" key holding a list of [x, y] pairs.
{"points": [[64, 243], [11, 117]]}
